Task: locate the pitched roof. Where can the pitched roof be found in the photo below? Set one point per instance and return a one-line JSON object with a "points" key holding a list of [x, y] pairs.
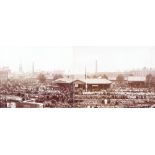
{"points": [[97, 81], [136, 79], [83, 80]]}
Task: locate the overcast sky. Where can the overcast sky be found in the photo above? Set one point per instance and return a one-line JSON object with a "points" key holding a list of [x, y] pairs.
{"points": [[74, 59]]}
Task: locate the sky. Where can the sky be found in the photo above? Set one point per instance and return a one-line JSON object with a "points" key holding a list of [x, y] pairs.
{"points": [[74, 59], [44, 59]]}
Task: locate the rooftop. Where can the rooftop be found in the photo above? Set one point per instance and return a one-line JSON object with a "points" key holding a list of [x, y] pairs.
{"points": [[83, 80], [136, 79]]}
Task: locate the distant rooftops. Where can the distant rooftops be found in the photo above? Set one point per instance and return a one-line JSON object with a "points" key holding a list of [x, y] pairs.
{"points": [[114, 78], [64, 80]]}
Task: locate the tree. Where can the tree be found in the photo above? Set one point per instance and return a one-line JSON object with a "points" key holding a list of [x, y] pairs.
{"points": [[57, 76], [95, 76], [42, 78], [153, 81], [120, 79], [149, 79], [105, 76]]}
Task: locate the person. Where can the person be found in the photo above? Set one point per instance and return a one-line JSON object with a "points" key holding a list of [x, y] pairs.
{"points": [[105, 101]]}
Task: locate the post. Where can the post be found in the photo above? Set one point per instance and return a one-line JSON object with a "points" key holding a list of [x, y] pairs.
{"points": [[86, 79]]}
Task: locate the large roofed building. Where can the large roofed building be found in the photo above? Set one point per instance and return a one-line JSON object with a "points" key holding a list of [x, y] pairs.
{"points": [[89, 84], [136, 81]]}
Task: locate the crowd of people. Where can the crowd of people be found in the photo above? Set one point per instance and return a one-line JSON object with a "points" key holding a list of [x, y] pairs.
{"points": [[119, 97], [50, 96], [27, 90]]}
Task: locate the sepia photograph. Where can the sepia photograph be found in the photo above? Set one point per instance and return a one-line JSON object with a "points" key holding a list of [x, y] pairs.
{"points": [[77, 77]]}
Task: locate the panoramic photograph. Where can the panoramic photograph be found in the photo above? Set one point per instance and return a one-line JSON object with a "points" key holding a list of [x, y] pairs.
{"points": [[77, 77]]}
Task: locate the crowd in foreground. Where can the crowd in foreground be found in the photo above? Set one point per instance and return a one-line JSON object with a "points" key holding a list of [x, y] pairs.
{"points": [[49, 96], [119, 97], [22, 91]]}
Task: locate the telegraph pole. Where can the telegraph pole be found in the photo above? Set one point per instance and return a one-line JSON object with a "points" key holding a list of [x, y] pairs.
{"points": [[86, 79]]}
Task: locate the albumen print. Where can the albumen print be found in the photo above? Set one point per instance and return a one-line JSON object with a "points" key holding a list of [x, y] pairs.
{"points": [[77, 77]]}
